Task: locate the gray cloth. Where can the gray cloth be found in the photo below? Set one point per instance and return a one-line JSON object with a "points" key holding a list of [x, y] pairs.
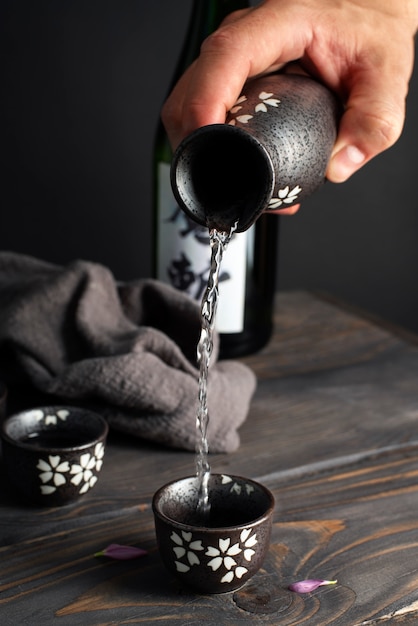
{"points": [[74, 333]]}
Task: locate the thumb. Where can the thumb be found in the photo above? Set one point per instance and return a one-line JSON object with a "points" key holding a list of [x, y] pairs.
{"points": [[372, 122]]}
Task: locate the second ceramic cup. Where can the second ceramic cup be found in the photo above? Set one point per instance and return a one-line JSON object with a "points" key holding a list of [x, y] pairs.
{"points": [[53, 455]]}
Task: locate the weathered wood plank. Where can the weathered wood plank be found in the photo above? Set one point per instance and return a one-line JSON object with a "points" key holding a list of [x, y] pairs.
{"points": [[332, 429], [358, 525], [312, 334]]}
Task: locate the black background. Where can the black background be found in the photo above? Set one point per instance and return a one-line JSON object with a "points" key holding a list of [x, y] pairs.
{"points": [[82, 82]]}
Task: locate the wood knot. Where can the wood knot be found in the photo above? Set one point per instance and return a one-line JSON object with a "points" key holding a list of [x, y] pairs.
{"points": [[263, 597]]}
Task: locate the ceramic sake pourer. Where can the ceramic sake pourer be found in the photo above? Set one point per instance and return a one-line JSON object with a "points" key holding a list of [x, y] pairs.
{"points": [[222, 553], [53, 455], [271, 153]]}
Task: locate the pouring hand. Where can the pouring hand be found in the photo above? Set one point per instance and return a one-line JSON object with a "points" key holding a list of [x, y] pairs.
{"points": [[361, 49]]}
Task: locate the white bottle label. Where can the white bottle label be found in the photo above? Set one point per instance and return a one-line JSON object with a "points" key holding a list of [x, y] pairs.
{"points": [[184, 258]]}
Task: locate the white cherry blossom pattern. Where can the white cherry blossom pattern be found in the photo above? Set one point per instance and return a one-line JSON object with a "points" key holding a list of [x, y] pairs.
{"points": [[52, 472], [243, 119], [49, 418], [236, 487], [186, 547], [238, 105], [99, 454], [265, 100], [223, 555], [248, 541], [38, 414], [82, 472], [285, 196]]}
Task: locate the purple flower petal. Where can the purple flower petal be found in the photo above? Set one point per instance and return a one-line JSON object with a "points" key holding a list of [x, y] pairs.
{"points": [[123, 553], [305, 586]]}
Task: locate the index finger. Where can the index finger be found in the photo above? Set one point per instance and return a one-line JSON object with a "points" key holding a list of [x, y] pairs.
{"points": [[231, 55]]}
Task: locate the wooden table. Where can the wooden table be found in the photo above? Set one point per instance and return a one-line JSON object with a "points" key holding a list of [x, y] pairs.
{"points": [[332, 430]]}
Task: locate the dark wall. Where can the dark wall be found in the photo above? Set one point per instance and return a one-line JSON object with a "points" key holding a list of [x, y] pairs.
{"points": [[359, 239], [82, 83]]}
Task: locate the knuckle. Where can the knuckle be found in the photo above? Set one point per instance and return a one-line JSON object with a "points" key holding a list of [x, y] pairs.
{"points": [[385, 127], [221, 41], [168, 113], [235, 15]]}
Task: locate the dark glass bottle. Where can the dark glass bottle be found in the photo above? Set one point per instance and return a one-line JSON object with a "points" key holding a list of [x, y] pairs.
{"points": [[181, 251]]}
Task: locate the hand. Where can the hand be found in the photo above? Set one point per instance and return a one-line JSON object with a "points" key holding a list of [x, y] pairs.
{"points": [[361, 49]]}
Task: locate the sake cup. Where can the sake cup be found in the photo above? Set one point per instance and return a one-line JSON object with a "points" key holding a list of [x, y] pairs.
{"points": [[53, 455], [221, 553]]}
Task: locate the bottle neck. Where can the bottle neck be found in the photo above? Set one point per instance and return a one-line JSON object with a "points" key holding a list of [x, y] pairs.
{"points": [[206, 16]]}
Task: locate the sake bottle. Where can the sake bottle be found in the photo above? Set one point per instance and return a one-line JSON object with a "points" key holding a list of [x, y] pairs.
{"points": [[181, 246]]}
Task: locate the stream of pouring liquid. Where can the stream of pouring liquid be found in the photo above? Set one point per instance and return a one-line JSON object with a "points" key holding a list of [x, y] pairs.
{"points": [[218, 243]]}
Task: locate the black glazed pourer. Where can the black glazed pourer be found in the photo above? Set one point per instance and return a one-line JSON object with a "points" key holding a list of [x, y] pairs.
{"points": [[271, 153]]}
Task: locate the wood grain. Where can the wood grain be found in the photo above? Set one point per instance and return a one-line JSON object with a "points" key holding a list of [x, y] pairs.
{"points": [[358, 525], [332, 430]]}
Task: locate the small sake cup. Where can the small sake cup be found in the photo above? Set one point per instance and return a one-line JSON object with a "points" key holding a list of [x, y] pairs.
{"points": [[53, 455], [222, 553]]}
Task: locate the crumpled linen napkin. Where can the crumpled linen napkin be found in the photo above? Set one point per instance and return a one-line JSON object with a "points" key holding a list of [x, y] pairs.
{"points": [[127, 348]]}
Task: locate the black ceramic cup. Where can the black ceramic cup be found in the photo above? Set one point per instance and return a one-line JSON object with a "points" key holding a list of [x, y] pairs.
{"points": [[53, 455], [224, 553]]}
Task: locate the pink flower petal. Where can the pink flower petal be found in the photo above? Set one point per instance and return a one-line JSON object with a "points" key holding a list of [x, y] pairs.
{"points": [[117, 551], [305, 586]]}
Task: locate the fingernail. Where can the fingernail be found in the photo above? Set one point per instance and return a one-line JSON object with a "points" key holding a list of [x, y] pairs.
{"points": [[355, 155], [345, 163]]}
